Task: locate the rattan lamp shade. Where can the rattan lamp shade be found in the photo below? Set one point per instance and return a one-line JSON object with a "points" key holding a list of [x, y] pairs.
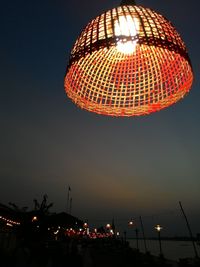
{"points": [[129, 61]]}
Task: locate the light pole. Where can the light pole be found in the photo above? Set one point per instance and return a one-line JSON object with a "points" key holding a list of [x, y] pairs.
{"points": [[137, 240], [131, 224], [108, 226], [86, 227], [125, 237], [159, 228], [109, 229]]}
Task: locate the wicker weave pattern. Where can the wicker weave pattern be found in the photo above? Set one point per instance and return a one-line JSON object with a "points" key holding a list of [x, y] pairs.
{"points": [[157, 74]]}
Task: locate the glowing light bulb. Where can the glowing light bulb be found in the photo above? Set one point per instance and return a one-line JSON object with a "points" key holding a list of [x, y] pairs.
{"points": [[126, 26]]}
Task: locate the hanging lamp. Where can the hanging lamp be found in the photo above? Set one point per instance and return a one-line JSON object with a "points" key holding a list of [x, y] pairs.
{"points": [[129, 61]]}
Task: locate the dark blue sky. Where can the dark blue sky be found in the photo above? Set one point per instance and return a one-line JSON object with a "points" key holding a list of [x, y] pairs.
{"points": [[121, 167]]}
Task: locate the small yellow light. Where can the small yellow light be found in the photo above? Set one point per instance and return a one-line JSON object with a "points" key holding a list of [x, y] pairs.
{"points": [[108, 226], [56, 232], [158, 228], [85, 225], [34, 218], [9, 224], [130, 223]]}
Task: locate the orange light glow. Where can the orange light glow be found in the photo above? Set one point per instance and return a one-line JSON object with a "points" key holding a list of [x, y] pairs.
{"points": [[130, 61], [34, 218]]}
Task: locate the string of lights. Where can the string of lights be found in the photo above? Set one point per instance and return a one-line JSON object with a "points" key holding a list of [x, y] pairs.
{"points": [[9, 221]]}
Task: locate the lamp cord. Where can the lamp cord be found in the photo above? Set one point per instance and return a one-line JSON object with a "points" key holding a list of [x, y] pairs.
{"points": [[128, 2]]}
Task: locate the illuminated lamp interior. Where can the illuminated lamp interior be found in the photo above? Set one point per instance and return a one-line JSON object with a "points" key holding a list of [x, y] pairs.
{"points": [[128, 27]]}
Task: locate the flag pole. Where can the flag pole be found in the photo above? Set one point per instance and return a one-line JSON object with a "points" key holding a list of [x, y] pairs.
{"points": [[68, 193], [70, 206], [189, 230], [144, 238]]}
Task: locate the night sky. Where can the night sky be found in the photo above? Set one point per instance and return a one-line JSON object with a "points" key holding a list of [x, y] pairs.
{"points": [[116, 167]]}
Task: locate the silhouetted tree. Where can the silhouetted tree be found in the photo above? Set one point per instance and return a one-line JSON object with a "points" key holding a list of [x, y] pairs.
{"points": [[44, 207]]}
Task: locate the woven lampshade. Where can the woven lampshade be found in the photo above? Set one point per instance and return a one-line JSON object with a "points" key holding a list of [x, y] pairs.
{"points": [[129, 61]]}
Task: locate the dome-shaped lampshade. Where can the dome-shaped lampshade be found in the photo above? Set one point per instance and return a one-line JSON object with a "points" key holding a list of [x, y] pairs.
{"points": [[129, 61]]}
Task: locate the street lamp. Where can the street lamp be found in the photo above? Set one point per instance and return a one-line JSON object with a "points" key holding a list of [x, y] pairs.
{"points": [[34, 219], [137, 239], [85, 225], [125, 237], [131, 224], [159, 228], [108, 226]]}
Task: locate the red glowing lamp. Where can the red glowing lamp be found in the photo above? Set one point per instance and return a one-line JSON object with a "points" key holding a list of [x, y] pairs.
{"points": [[129, 61]]}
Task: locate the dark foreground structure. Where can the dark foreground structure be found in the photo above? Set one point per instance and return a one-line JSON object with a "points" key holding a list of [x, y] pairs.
{"points": [[37, 239], [104, 252]]}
